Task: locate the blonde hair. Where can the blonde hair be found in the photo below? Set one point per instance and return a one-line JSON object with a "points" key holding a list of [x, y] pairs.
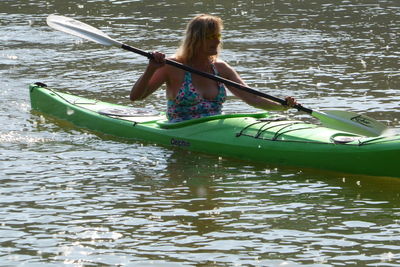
{"points": [[197, 31]]}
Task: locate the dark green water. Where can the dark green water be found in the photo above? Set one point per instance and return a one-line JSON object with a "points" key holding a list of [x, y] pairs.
{"points": [[73, 198]]}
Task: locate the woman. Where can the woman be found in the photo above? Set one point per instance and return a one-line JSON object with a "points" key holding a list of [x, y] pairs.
{"points": [[189, 95]]}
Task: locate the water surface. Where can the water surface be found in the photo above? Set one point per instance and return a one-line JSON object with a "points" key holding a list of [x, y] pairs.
{"points": [[75, 198]]}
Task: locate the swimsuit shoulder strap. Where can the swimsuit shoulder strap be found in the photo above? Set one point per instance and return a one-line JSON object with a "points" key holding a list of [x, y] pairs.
{"points": [[214, 69]]}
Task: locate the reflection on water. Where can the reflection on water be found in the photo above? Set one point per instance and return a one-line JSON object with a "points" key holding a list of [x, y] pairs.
{"points": [[71, 197]]}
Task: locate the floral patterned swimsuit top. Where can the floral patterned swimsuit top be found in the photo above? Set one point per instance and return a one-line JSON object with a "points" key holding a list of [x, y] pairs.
{"points": [[189, 104]]}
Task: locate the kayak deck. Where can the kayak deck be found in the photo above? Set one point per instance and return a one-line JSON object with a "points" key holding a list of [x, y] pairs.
{"points": [[255, 136]]}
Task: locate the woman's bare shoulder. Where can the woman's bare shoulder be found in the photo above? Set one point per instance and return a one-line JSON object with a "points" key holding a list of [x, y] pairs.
{"points": [[171, 67], [224, 68], [220, 62], [172, 74]]}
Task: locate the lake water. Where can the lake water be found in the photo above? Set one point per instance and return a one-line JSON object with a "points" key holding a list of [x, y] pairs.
{"points": [[70, 197]]}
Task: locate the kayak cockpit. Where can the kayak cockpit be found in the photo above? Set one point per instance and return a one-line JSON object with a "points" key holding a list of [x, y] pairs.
{"points": [[173, 125]]}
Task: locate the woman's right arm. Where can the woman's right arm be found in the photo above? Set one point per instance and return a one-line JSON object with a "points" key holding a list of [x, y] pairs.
{"points": [[153, 77]]}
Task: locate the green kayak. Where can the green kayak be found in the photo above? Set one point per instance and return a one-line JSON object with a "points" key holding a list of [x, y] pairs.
{"points": [[257, 137]]}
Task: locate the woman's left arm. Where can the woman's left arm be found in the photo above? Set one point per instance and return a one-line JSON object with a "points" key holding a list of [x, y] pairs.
{"points": [[229, 73]]}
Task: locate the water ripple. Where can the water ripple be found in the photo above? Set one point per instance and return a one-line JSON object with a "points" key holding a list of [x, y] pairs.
{"points": [[78, 198]]}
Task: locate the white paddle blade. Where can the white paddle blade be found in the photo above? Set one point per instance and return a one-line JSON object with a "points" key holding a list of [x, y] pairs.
{"points": [[351, 122], [80, 29]]}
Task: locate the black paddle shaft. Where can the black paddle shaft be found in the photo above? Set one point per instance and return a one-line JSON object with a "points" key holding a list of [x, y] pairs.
{"points": [[216, 78]]}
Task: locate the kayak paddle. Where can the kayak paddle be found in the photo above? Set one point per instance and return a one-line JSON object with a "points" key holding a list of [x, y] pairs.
{"points": [[336, 119]]}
